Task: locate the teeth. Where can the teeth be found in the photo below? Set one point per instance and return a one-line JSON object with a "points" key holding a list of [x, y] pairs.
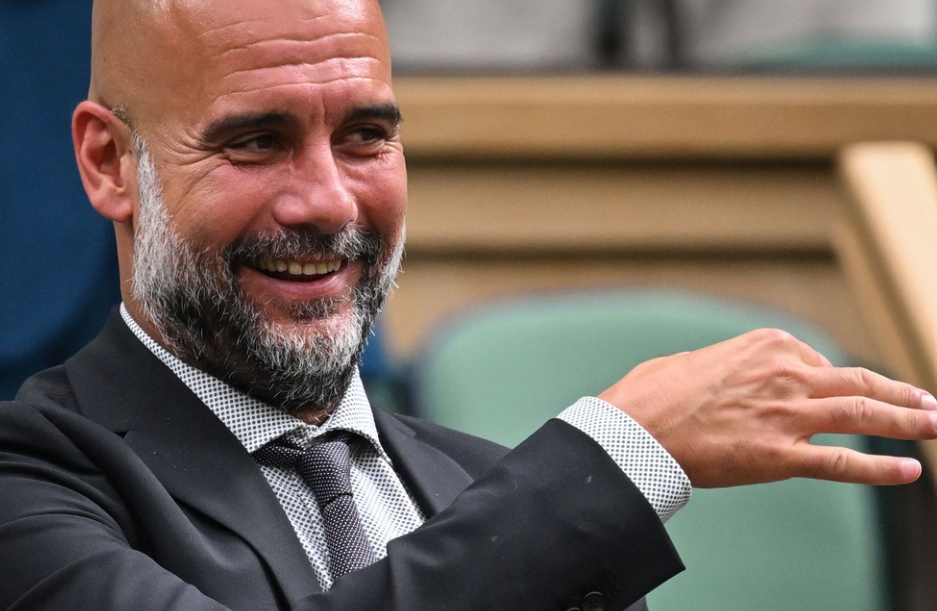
{"points": [[296, 268]]}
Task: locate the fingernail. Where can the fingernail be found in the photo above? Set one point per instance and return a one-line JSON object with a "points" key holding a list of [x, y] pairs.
{"points": [[928, 401], [910, 469]]}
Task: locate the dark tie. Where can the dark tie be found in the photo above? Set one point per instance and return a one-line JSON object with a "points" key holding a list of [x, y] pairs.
{"points": [[326, 468]]}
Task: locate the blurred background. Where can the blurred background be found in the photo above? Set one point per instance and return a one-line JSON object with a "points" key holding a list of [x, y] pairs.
{"points": [[662, 35], [696, 166]]}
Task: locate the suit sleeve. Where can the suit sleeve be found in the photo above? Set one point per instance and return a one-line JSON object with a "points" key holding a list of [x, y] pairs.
{"points": [[552, 523]]}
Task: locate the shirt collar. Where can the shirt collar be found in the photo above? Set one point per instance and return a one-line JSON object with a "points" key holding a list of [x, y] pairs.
{"points": [[254, 422]]}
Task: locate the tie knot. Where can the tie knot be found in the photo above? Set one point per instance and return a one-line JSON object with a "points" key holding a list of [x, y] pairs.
{"points": [[325, 466]]}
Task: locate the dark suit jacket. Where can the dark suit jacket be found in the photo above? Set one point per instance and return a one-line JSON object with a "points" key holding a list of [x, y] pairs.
{"points": [[120, 490]]}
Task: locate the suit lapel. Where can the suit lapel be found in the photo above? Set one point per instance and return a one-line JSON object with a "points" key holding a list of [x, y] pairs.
{"points": [[432, 477], [121, 385]]}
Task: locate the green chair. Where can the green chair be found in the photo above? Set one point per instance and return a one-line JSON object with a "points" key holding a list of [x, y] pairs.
{"points": [[501, 370], [844, 56]]}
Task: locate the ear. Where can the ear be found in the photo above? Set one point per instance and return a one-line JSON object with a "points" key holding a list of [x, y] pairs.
{"points": [[104, 152]]}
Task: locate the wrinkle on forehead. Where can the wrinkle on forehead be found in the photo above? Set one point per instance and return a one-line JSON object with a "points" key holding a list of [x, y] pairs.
{"points": [[271, 88], [314, 75], [238, 27], [243, 22], [301, 43], [270, 53], [273, 65]]}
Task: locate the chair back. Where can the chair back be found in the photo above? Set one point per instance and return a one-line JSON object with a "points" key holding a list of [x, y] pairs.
{"points": [[501, 370]]}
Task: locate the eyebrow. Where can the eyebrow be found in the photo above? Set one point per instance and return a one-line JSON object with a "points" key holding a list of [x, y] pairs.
{"points": [[232, 124], [389, 112], [219, 130]]}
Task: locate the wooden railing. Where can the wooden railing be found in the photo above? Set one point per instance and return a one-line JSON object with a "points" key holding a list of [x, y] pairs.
{"points": [[889, 249]]}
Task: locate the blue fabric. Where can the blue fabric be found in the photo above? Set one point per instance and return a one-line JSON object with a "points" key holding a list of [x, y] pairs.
{"points": [[59, 268]]}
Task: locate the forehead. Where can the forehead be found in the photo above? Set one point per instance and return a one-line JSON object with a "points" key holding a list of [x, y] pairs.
{"points": [[245, 53]]}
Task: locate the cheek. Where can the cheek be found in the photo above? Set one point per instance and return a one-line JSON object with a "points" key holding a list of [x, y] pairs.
{"points": [[221, 208], [383, 200]]}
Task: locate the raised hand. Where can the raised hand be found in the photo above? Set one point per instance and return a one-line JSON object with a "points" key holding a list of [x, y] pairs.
{"points": [[743, 411]]}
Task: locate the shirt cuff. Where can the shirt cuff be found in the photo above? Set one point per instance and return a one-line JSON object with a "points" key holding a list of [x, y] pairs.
{"points": [[646, 463]]}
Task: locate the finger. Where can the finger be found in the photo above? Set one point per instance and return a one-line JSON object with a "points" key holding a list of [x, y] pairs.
{"points": [[858, 381], [865, 416], [840, 464]]}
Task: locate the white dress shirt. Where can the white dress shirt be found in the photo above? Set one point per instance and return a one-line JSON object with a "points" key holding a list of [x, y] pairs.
{"points": [[387, 508]]}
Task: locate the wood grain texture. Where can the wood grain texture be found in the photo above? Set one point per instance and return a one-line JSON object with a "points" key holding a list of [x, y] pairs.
{"points": [[661, 117]]}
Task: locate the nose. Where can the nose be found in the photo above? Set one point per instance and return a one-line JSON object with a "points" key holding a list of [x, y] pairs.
{"points": [[317, 194]]}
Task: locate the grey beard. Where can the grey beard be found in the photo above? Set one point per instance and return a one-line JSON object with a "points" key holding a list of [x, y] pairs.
{"points": [[196, 303]]}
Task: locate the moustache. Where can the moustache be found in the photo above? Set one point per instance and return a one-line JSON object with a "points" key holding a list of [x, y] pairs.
{"points": [[350, 243]]}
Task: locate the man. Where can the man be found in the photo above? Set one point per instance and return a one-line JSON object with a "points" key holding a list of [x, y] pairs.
{"points": [[248, 156]]}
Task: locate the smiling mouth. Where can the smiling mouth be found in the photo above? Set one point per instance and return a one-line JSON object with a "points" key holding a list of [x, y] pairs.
{"points": [[286, 269]]}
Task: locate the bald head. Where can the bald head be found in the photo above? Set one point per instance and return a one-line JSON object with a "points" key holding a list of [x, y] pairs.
{"points": [[147, 53]]}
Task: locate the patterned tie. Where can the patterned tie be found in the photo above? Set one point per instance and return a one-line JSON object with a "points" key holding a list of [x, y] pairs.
{"points": [[326, 468]]}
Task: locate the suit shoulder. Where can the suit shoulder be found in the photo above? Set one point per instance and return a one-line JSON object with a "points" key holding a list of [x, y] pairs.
{"points": [[48, 388], [473, 453]]}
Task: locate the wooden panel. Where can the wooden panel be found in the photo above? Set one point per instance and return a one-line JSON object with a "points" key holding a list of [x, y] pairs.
{"points": [[675, 117], [625, 206]]}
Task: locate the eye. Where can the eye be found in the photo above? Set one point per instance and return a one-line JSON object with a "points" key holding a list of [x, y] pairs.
{"points": [[256, 149], [263, 142], [364, 140], [366, 134]]}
